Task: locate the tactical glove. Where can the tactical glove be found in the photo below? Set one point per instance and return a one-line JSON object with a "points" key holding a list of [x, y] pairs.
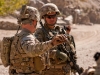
{"points": [[58, 39]]}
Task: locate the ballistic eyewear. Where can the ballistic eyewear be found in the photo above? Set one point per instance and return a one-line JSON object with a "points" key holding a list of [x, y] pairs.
{"points": [[50, 16]]}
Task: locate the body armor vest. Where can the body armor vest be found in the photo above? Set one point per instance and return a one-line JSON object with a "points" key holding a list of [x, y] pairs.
{"points": [[19, 59]]}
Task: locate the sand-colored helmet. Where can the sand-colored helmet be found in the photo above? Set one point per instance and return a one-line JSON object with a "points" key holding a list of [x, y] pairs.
{"points": [[28, 14], [47, 8]]}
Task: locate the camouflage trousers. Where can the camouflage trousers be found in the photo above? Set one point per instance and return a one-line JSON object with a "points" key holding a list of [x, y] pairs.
{"points": [[24, 74], [58, 71], [53, 71], [13, 72]]}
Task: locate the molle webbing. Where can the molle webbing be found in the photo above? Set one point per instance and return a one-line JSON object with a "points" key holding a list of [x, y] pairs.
{"points": [[19, 59]]}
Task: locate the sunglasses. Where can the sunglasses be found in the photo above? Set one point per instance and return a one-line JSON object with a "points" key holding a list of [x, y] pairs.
{"points": [[92, 73], [50, 16]]}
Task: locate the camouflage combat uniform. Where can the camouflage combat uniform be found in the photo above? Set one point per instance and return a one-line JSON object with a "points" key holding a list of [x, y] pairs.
{"points": [[52, 54], [24, 48], [26, 56], [55, 68]]}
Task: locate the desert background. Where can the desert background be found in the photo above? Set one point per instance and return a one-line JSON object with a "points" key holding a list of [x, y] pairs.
{"points": [[86, 30]]}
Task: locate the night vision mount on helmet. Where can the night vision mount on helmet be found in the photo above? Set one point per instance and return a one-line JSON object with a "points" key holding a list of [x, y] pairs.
{"points": [[28, 14]]}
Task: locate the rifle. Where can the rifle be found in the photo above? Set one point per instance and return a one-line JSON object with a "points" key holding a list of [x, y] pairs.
{"points": [[70, 55]]}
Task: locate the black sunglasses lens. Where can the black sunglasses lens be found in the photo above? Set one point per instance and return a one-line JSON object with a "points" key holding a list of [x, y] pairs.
{"points": [[50, 16]]}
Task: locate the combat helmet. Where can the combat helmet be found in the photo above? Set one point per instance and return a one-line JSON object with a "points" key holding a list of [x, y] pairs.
{"points": [[28, 14], [47, 8]]}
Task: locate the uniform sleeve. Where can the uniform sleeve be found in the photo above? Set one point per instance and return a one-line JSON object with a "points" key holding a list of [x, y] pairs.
{"points": [[33, 48]]}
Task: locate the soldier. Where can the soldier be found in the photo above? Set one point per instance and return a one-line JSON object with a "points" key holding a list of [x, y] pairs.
{"points": [[97, 59], [27, 53], [49, 13]]}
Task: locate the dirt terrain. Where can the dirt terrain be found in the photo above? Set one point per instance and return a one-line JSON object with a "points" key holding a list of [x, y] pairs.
{"points": [[87, 40], [87, 43]]}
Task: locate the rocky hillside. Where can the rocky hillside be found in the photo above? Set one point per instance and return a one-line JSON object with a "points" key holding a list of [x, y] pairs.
{"points": [[84, 4], [90, 14], [62, 3]]}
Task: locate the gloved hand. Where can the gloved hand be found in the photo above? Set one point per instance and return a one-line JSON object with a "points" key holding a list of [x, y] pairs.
{"points": [[71, 63], [58, 39]]}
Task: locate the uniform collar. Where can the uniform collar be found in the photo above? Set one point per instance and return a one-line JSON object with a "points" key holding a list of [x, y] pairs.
{"points": [[26, 31]]}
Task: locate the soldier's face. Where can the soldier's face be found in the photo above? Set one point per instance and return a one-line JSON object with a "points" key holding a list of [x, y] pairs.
{"points": [[50, 20], [31, 27], [34, 25]]}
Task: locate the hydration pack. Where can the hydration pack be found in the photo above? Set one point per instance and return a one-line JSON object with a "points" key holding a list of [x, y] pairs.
{"points": [[5, 52]]}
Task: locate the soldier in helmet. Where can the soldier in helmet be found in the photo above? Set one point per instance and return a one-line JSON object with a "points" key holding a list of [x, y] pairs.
{"points": [[49, 13], [27, 53]]}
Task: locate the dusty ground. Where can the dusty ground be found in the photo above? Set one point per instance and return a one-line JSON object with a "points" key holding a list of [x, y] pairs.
{"points": [[87, 43], [87, 40]]}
